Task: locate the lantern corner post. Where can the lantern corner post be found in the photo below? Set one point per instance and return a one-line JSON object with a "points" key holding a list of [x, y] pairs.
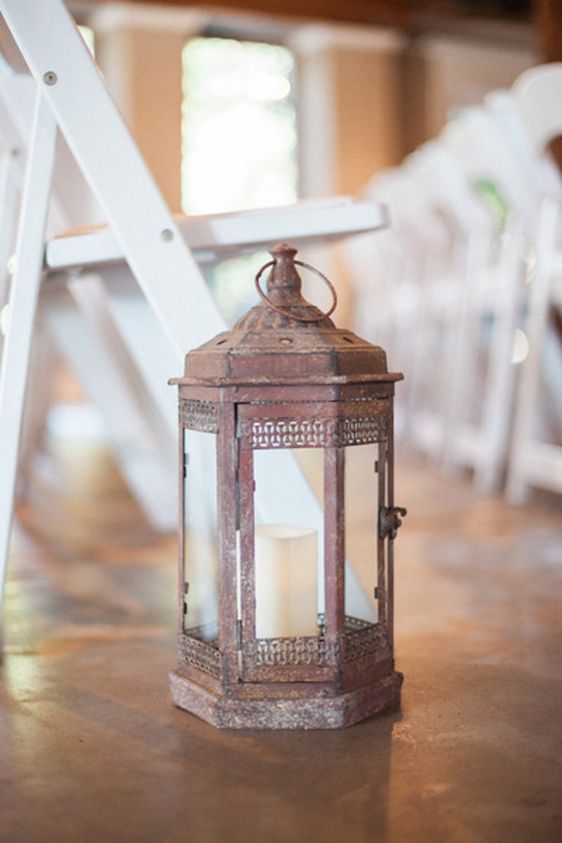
{"points": [[227, 469], [390, 545], [181, 519], [247, 561], [334, 548]]}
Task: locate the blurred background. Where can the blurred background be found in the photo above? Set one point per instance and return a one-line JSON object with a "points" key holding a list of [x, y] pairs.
{"points": [[260, 104], [440, 111]]}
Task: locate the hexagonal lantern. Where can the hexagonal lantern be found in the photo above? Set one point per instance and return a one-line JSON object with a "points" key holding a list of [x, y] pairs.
{"points": [[286, 596]]}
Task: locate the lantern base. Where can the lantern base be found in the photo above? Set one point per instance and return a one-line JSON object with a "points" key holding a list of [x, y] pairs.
{"points": [[229, 712]]}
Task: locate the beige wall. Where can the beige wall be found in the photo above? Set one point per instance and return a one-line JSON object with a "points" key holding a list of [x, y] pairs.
{"points": [[351, 117], [459, 72], [350, 82], [369, 128], [143, 71]]}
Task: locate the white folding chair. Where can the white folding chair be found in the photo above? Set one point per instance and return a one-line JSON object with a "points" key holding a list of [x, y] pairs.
{"points": [[142, 240], [480, 378], [390, 297], [460, 288], [535, 461], [489, 293], [133, 436]]}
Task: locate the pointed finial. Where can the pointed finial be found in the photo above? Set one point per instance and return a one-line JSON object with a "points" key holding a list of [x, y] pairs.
{"points": [[284, 283]]}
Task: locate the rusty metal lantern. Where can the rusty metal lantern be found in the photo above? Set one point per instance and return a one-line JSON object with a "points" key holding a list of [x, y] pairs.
{"points": [[277, 630]]}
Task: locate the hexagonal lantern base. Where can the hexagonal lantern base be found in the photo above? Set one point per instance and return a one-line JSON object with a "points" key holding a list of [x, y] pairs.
{"points": [[229, 712]]}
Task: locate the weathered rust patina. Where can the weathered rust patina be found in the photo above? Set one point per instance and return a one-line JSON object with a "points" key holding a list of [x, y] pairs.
{"points": [[286, 377]]}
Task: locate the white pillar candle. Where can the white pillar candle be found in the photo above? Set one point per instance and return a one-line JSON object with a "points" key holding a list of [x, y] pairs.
{"points": [[286, 581]]}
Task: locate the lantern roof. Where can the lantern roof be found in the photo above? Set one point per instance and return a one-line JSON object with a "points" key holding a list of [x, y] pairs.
{"points": [[286, 339]]}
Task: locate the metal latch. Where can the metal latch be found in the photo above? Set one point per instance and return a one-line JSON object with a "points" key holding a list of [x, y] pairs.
{"points": [[390, 519]]}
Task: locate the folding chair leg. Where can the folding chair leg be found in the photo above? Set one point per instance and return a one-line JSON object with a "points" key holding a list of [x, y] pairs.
{"points": [[462, 370], [498, 389], [22, 309], [518, 485], [8, 209], [144, 450], [43, 360], [139, 330]]}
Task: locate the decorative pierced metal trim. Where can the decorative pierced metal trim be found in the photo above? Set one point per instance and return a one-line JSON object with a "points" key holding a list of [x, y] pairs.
{"points": [[313, 433], [204, 655], [362, 430], [361, 638], [289, 432], [199, 415], [290, 651]]}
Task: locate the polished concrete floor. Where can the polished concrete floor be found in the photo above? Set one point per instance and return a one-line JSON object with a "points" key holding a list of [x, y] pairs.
{"points": [[93, 750]]}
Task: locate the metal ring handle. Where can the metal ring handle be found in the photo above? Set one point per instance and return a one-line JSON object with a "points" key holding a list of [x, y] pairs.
{"points": [[284, 310]]}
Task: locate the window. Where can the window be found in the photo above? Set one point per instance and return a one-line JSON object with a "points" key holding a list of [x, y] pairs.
{"points": [[239, 143], [239, 133]]}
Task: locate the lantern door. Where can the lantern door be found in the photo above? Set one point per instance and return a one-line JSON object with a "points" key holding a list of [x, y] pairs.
{"points": [[313, 596]]}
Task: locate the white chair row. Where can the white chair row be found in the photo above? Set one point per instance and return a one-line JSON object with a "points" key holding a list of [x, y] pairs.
{"points": [[468, 268]]}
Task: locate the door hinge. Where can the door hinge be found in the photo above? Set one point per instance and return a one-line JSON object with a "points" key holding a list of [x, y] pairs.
{"points": [[238, 635]]}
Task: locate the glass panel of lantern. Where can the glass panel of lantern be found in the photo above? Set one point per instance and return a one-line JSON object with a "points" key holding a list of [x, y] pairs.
{"points": [[199, 539], [288, 544], [364, 481]]}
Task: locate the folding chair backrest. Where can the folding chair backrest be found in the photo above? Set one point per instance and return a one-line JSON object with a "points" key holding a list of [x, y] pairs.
{"points": [[538, 92]]}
